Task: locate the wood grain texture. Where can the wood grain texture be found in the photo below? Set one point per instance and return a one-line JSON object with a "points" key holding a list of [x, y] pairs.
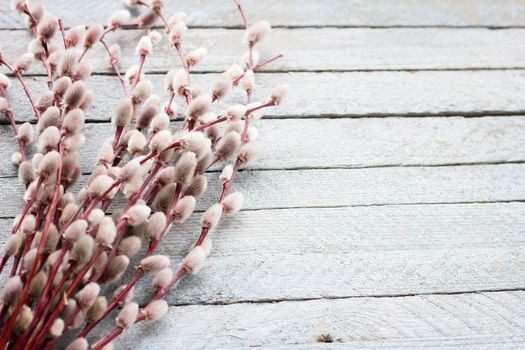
{"points": [[308, 50], [217, 13], [480, 321], [292, 254], [354, 142], [356, 94], [278, 189]]}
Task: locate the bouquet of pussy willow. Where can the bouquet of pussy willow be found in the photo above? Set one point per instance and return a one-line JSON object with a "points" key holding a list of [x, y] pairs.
{"points": [[64, 246]]}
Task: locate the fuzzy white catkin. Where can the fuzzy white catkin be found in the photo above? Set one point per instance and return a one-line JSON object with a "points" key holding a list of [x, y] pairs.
{"points": [[127, 315], [278, 94], [57, 328], [185, 168], [123, 113], [160, 122], [78, 344], [232, 203], [194, 261], [99, 185], [4, 81], [130, 170], [87, 295], [245, 58], [160, 141], [23, 62], [154, 263], [177, 33], [74, 94], [184, 208], [222, 86], [256, 32], [95, 217], [196, 56], [49, 164], [199, 106], [162, 279], [207, 245], [129, 246], [155, 310], [137, 214], [144, 46], [82, 249], [136, 142], [93, 34], [75, 35], [118, 18], [210, 218], [106, 232], [142, 91], [247, 82], [156, 225], [235, 112], [105, 154], [226, 173], [25, 132], [228, 145], [179, 81], [248, 152], [11, 290]]}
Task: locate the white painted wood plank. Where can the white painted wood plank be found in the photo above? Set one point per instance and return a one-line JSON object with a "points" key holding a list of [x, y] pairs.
{"points": [[367, 142], [356, 94], [307, 49], [308, 12], [420, 322], [294, 254], [345, 187]]}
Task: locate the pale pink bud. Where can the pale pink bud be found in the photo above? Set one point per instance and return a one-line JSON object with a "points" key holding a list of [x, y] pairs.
{"points": [[156, 225], [49, 139], [222, 86], [247, 82], [61, 85], [73, 121], [278, 94], [160, 122], [234, 71], [122, 113], [12, 245], [166, 176], [68, 63], [185, 168], [56, 328], [97, 310], [154, 263], [192, 141], [137, 214], [160, 141], [68, 211], [83, 71], [118, 18], [207, 245], [232, 203], [132, 73], [28, 224], [128, 315], [177, 33], [25, 132], [256, 32], [95, 217], [11, 291], [136, 142], [114, 56], [179, 81], [156, 310], [130, 170], [155, 37], [184, 208], [49, 164], [36, 48], [19, 5], [93, 34], [199, 106], [255, 57], [248, 152], [228, 145], [197, 187], [23, 62], [129, 246], [87, 295], [235, 112], [195, 56], [74, 94], [194, 261], [47, 28], [144, 46], [105, 154], [147, 19], [148, 112], [78, 344], [162, 279], [77, 229], [128, 297], [4, 81], [106, 232], [82, 249], [115, 268], [226, 173], [87, 100], [51, 117], [75, 35], [210, 218], [99, 185]]}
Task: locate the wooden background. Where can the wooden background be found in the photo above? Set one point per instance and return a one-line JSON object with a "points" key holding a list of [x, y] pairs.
{"points": [[387, 209]]}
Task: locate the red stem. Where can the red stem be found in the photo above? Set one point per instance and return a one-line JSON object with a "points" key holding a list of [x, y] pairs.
{"points": [[61, 26]]}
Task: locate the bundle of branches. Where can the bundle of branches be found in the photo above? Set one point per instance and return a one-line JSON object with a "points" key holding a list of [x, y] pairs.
{"points": [[64, 246]]}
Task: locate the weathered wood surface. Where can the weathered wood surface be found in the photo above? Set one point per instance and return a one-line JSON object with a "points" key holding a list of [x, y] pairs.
{"points": [[298, 13], [355, 94], [310, 253], [467, 321], [308, 50], [277, 189], [354, 142]]}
